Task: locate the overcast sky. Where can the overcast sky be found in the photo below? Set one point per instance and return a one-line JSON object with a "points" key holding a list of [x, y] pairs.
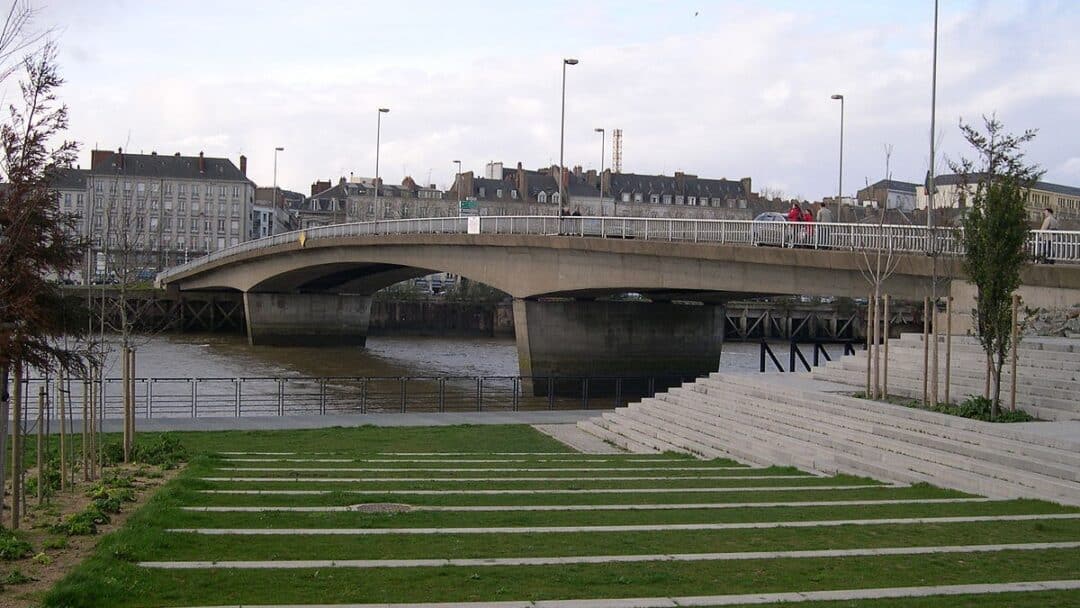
{"points": [[718, 89]]}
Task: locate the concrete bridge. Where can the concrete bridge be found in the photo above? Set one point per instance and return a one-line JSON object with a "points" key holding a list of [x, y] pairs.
{"points": [[314, 287]]}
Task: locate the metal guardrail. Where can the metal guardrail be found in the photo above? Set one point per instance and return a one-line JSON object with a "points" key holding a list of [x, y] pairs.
{"points": [[1061, 246], [290, 396]]}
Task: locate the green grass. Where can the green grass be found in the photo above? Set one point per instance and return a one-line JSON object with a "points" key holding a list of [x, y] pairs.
{"points": [[111, 576]]}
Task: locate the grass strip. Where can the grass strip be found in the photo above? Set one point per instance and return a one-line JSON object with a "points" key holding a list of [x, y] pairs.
{"points": [[429, 519], [329, 484], [103, 582]]}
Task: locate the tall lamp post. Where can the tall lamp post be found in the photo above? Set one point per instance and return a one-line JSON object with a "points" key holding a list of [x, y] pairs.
{"points": [[562, 131], [378, 136], [601, 176], [458, 180], [276, 150], [840, 183]]}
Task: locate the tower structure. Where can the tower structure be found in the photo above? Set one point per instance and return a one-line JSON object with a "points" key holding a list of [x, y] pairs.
{"points": [[616, 151]]}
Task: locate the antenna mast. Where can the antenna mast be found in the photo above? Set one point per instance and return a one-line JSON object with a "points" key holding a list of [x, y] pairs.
{"points": [[616, 151]]}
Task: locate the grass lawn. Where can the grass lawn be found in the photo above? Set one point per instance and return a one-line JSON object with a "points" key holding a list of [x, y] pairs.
{"points": [[113, 576]]}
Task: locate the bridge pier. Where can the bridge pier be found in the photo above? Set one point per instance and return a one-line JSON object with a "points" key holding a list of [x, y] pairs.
{"points": [[306, 319], [624, 339]]}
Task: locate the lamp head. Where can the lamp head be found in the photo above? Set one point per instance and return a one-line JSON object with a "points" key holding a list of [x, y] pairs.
{"points": [[279, 149], [599, 130], [384, 110], [838, 96], [570, 61]]}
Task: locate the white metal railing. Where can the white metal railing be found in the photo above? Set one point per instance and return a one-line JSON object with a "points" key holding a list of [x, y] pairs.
{"points": [[1060, 246]]}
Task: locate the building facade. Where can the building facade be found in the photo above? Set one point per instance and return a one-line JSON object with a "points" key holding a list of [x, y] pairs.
{"points": [[156, 211], [889, 194], [1064, 200]]}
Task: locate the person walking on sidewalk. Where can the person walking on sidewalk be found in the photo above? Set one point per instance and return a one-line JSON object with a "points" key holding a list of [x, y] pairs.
{"points": [[1049, 224]]}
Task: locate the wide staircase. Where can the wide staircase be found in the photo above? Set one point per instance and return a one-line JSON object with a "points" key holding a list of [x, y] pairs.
{"points": [[1048, 372], [818, 426]]}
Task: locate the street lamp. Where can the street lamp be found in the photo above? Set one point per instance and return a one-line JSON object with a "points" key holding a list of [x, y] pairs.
{"points": [[276, 150], [378, 135], [601, 176], [840, 184], [562, 131], [457, 181]]}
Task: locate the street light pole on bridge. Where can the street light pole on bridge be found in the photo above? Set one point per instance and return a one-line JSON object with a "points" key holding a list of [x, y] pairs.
{"points": [[840, 183], [600, 130], [562, 133], [378, 136]]}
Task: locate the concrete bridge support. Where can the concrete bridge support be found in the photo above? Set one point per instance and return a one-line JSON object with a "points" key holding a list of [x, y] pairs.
{"points": [[601, 338], [306, 319]]}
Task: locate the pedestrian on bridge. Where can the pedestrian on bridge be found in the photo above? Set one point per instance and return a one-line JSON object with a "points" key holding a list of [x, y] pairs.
{"points": [[824, 215], [1050, 223]]}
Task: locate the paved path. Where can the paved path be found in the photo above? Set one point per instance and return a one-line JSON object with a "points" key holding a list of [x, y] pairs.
{"points": [[603, 559], [726, 600], [613, 507], [571, 435], [755, 525], [863, 486], [479, 479], [316, 421]]}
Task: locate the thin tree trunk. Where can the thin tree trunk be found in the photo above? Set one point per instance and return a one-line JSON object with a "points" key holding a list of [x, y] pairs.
{"points": [[989, 373], [41, 445], [995, 408], [934, 329], [5, 404], [124, 398], [948, 347], [60, 399], [926, 352], [877, 343], [869, 343], [1015, 349], [16, 448], [885, 358], [86, 429]]}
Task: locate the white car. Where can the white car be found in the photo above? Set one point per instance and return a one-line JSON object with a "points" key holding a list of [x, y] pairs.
{"points": [[768, 229]]}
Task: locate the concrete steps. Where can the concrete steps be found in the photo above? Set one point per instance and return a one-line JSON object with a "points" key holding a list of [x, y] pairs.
{"points": [[971, 467], [760, 420], [1048, 373]]}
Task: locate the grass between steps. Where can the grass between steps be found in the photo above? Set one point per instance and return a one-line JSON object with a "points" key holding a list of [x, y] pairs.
{"points": [[123, 585], [1037, 599], [112, 578]]}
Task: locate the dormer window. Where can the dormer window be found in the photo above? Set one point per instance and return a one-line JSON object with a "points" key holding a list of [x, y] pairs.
{"points": [[542, 197], [499, 193], [679, 200], [483, 192], [654, 199], [638, 197], [693, 201], [514, 194], [626, 197]]}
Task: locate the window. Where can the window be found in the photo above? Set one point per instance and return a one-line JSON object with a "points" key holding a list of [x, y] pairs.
{"points": [[98, 187], [168, 188], [209, 189], [79, 201], [234, 226], [180, 223], [181, 189], [221, 242], [542, 197], [667, 199], [654, 199], [67, 200], [498, 193], [140, 188], [221, 226], [404, 211], [167, 223], [127, 186], [638, 197], [194, 206], [181, 242], [236, 191], [234, 241], [482, 192], [555, 198], [236, 209], [625, 197], [692, 201], [679, 200], [206, 226], [168, 204], [387, 210], [221, 209], [221, 191], [514, 194], [371, 209], [153, 223]]}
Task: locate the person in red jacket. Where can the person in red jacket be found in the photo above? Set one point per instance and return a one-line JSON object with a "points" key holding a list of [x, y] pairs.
{"points": [[808, 218], [794, 214]]}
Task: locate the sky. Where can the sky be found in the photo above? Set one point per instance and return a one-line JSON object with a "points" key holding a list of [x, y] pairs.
{"points": [[716, 89]]}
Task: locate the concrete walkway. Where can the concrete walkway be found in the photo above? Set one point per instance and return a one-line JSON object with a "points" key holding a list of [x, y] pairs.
{"points": [[574, 437], [482, 479], [756, 525], [864, 486], [315, 421], [724, 600], [602, 559], [612, 507]]}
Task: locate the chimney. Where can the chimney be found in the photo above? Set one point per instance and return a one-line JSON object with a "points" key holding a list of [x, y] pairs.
{"points": [[177, 155], [577, 170], [202, 163], [606, 180], [522, 183], [745, 183], [243, 165], [153, 153], [590, 177], [680, 181], [98, 158], [120, 158], [467, 184]]}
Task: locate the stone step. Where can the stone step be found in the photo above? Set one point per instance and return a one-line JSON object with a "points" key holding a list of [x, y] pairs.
{"points": [[847, 435], [1010, 452], [648, 443], [1048, 344], [978, 459], [754, 445], [1063, 447], [1026, 366], [697, 443], [601, 428], [1047, 386], [1040, 407]]}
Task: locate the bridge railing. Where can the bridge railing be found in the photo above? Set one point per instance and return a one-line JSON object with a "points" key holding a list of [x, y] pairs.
{"points": [[1061, 246]]}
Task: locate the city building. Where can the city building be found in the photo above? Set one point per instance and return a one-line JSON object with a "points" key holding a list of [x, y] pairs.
{"points": [[272, 212], [1064, 200], [889, 194], [156, 211]]}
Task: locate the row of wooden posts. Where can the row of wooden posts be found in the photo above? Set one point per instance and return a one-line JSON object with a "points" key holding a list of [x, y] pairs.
{"points": [[877, 346], [90, 460]]}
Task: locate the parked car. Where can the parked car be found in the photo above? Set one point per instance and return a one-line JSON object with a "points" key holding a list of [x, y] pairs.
{"points": [[768, 229]]}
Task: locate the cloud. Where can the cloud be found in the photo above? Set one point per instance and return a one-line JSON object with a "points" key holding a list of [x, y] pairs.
{"points": [[739, 91]]}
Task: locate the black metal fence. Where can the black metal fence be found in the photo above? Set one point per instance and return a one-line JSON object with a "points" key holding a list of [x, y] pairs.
{"points": [[289, 396]]}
